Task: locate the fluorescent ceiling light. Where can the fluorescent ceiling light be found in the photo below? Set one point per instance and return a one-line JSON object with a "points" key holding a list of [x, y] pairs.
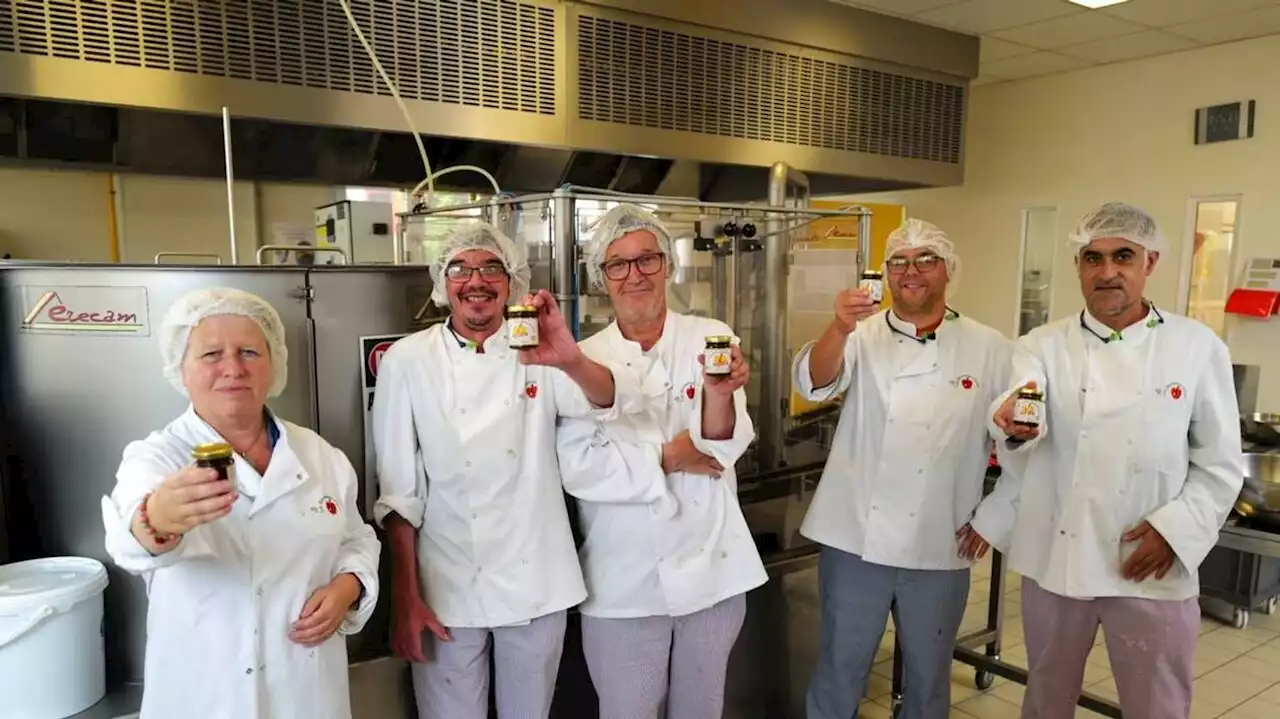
{"points": [[1095, 4]]}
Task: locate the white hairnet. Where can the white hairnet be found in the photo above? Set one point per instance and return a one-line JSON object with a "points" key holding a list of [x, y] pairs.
{"points": [[1117, 219], [920, 235], [622, 220], [193, 307], [480, 236]]}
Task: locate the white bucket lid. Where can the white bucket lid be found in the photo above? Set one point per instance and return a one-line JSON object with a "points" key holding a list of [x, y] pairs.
{"points": [[56, 581]]}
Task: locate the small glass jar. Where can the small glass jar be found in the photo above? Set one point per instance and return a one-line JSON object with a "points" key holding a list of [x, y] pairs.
{"points": [[718, 357], [1028, 408], [872, 283], [218, 456], [522, 321]]}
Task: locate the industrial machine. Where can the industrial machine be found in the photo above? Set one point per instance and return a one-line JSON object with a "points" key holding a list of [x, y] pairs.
{"points": [[360, 228]]}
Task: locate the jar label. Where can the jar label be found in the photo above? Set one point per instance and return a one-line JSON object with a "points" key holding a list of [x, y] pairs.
{"points": [[1027, 411], [718, 360], [873, 288], [524, 332]]}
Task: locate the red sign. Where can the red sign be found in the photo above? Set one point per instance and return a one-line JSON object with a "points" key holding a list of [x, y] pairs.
{"points": [[375, 356]]}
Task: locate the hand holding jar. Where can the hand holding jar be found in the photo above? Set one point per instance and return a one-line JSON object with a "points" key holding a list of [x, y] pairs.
{"points": [[187, 499], [853, 306]]}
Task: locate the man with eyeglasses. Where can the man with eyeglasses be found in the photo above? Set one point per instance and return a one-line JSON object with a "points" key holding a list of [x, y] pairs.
{"points": [[1109, 505], [667, 575], [904, 475], [464, 431]]}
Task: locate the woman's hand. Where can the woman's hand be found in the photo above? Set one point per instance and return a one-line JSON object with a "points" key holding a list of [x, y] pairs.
{"points": [[188, 499], [325, 610]]}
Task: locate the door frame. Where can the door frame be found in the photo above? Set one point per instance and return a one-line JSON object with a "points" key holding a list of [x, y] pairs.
{"points": [[1187, 251]]}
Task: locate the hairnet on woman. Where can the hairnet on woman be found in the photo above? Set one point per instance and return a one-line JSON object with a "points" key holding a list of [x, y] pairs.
{"points": [[253, 577]]}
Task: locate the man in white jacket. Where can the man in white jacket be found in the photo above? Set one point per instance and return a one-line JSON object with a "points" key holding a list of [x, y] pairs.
{"points": [[668, 571], [464, 429], [1111, 503], [904, 475]]}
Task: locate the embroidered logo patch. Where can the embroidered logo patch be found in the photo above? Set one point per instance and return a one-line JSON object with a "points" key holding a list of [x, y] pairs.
{"points": [[326, 505], [688, 390], [966, 382], [1175, 391], [531, 390]]}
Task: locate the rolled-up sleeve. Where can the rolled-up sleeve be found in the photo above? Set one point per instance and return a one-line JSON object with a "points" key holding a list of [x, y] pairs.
{"points": [[144, 467], [804, 379], [402, 479], [360, 549], [1215, 473], [596, 467], [571, 401], [725, 451]]}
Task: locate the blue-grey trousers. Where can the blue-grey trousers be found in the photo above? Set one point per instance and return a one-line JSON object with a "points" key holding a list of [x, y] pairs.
{"points": [[857, 598]]}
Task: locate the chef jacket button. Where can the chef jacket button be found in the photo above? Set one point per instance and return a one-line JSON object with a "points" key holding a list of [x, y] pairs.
{"points": [[466, 464], [1063, 532], [920, 471], [506, 402], [474, 515], [875, 507], [299, 475], [511, 453], [913, 514], [462, 411], [259, 591], [248, 671], [262, 667], [724, 555]]}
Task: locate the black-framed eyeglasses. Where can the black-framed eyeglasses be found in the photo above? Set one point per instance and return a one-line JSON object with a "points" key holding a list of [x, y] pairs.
{"points": [[458, 272], [923, 263], [647, 264]]}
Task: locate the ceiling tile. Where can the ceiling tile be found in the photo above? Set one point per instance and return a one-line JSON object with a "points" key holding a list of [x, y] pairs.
{"points": [[1128, 47], [1068, 30], [1037, 63], [1255, 23], [995, 49], [983, 16], [896, 7], [1162, 13]]}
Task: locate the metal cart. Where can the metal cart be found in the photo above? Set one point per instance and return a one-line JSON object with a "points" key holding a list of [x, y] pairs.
{"points": [[981, 649]]}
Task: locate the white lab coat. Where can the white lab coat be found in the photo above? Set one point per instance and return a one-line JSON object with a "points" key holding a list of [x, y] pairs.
{"points": [[681, 543], [1144, 428], [910, 452], [221, 603], [466, 453]]}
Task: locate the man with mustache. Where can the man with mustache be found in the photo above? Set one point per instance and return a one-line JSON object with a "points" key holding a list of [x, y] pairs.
{"points": [[1109, 505], [471, 498], [904, 475]]}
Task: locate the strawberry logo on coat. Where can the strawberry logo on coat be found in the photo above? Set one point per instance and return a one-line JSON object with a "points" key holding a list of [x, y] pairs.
{"points": [[688, 390], [966, 382], [1175, 391], [327, 505], [531, 390]]}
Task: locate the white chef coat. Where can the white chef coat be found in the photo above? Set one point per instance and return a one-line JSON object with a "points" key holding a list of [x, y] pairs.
{"points": [[910, 452], [1144, 427], [683, 545], [221, 603], [466, 453]]}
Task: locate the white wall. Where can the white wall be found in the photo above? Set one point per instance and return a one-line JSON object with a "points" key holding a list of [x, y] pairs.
{"points": [[66, 215], [1125, 132]]}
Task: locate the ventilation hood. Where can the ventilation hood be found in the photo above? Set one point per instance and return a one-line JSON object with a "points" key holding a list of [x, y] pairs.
{"points": [[616, 93]]}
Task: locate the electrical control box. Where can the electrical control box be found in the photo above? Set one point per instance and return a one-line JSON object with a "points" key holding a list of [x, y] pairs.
{"points": [[361, 229]]}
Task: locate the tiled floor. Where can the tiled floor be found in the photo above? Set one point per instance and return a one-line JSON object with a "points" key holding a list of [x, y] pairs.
{"points": [[1237, 671]]}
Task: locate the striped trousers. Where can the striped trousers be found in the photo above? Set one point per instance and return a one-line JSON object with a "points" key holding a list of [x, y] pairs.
{"points": [[455, 683], [640, 665]]}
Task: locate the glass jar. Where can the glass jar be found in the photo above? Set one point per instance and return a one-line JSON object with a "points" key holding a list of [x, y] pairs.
{"points": [[872, 283], [1028, 408], [522, 326], [718, 357]]}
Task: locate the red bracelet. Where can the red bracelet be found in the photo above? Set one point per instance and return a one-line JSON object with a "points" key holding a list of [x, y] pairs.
{"points": [[160, 539]]}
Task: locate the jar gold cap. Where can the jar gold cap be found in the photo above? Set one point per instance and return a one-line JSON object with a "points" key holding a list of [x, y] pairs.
{"points": [[216, 450], [720, 339], [522, 308]]}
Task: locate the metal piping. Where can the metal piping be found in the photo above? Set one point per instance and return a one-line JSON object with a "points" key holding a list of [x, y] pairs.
{"points": [[231, 200], [301, 248], [161, 255], [864, 243], [564, 256], [775, 365], [750, 210]]}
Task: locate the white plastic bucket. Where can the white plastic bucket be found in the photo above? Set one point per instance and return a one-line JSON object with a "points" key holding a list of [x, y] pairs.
{"points": [[51, 657]]}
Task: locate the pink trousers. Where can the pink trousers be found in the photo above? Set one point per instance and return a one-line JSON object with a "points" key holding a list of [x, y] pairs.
{"points": [[1151, 643]]}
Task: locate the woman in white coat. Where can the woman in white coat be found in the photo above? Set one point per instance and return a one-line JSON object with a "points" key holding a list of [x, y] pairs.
{"points": [[253, 580]]}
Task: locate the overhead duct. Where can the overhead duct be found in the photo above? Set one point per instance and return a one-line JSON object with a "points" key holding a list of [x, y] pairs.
{"points": [[603, 94]]}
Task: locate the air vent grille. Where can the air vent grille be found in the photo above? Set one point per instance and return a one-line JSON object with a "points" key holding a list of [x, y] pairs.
{"points": [[485, 53], [649, 77]]}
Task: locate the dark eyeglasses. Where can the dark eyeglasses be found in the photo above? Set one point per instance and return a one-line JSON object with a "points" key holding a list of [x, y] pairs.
{"points": [[923, 263], [462, 273], [620, 269]]}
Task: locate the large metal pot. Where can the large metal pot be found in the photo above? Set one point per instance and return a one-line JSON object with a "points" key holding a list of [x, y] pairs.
{"points": [[1259, 500]]}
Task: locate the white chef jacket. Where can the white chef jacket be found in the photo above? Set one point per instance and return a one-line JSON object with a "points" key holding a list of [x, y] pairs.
{"points": [[466, 453], [683, 544], [221, 603], [1144, 427], [910, 452]]}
